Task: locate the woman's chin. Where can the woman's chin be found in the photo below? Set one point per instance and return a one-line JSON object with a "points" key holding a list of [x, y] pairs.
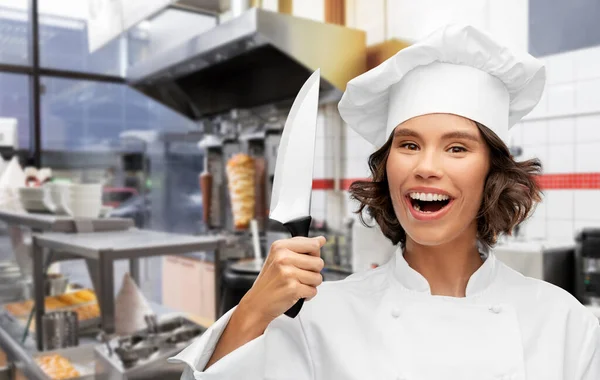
{"points": [[429, 236]]}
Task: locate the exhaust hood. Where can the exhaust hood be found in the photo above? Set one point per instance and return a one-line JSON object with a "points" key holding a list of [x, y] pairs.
{"points": [[258, 58]]}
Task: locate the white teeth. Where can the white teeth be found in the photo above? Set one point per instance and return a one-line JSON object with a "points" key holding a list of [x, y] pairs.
{"points": [[417, 207], [429, 197]]}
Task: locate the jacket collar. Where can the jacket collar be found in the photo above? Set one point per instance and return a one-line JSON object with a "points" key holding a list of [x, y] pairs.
{"points": [[414, 281]]}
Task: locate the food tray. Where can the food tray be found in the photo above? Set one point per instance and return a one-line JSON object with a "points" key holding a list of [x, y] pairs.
{"points": [[81, 357], [23, 308]]}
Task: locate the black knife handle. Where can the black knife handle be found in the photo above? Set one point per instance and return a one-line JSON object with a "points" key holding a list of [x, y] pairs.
{"points": [[297, 227]]}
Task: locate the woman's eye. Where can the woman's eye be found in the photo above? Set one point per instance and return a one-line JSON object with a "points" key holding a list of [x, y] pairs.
{"points": [[457, 149], [409, 146]]}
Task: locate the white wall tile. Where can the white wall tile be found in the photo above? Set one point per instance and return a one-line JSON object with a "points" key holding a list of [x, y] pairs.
{"points": [[357, 168], [319, 168], [535, 151], [329, 169], [534, 229], [587, 63], [535, 132], [581, 224], [559, 204], [560, 229], [588, 95], [320, 146], [587, 128], [585, 205], [586, 158], [541, 109], [561, 130], [311, 9], [560, 159], [560, 68], [318, 199], [321, 124], [515, 135], [561, 99], [539, 212], [351, 204]]}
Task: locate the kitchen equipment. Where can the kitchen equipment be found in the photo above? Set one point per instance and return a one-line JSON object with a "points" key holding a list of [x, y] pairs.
{"points": [[143, 354], [550, 261], [254, 59], [61, 330], [214, 164], [292, 184], [206, 190], [56, 284], [587, 264]]}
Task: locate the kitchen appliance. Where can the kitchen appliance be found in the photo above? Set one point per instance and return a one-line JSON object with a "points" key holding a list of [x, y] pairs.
{"points": [[587, 261], [143, 355], [214, 166], [292, 183], [550, 261], [258, 58], [61, 330]]}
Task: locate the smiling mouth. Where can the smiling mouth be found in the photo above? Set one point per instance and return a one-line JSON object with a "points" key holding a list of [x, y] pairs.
{"points": [[428, 203]]}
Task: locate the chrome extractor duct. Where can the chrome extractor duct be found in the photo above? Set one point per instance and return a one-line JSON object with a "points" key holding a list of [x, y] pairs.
{"points": [[258, 58]]}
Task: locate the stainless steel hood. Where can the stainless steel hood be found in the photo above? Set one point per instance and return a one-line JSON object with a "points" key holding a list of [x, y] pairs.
{"points": [[258, 58]]}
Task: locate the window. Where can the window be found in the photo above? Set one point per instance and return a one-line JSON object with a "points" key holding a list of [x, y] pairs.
{"points": [[557, 26], [15, 33], [64, 40], [14, 103]]}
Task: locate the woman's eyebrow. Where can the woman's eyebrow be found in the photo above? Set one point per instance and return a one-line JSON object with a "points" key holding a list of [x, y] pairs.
{"points": [[405, 132], [460, 135]]}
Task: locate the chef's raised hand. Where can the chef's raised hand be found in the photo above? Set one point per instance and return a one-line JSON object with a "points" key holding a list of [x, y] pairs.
{"points": [[291, 271]]}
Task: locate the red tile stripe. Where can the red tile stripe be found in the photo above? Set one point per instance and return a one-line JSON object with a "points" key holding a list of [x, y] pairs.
{"points": [[563, 181]]}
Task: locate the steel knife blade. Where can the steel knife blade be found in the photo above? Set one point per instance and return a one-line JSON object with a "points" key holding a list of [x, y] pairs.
{"points": [[292, 182]]}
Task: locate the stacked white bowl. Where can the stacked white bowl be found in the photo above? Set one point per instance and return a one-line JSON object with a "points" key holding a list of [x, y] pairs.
{"points": [[77, 200], [36, 199], [84, 200]]}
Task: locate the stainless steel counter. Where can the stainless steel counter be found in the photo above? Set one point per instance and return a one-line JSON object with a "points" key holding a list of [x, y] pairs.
{"points": [[57, 223], [22, 353], [102, 249]]}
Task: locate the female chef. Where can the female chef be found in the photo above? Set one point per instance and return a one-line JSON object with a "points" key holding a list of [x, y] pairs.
{"points": [[443, 188]]}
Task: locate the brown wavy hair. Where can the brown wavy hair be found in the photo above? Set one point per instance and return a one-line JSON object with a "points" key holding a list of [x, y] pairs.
{"points": [[510, 193]]}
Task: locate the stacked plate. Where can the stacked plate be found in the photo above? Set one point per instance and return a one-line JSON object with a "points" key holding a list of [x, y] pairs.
{"points": [[76, 200], [36, 199]]}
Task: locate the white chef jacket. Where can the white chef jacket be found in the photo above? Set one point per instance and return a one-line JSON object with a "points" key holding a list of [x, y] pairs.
{"points": [[385, 324]]}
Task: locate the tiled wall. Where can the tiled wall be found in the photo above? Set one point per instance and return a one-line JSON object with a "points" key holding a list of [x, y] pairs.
{"points": [[564, 133]]}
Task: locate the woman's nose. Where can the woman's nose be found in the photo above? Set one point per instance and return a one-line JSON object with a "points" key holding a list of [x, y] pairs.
{"points": [[428, 166]]}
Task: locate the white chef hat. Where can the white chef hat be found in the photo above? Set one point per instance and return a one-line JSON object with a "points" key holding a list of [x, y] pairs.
{"points": [[458, 69]]}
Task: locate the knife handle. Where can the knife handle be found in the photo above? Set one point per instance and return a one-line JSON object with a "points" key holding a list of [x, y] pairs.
{"points": [[297, 227]]}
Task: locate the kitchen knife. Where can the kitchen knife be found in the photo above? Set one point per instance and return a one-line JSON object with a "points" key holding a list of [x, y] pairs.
{"points": [[292, 183]]}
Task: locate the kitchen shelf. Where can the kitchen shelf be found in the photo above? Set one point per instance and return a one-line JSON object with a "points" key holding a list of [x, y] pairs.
{"points": [[57, 223], [101, 249]]}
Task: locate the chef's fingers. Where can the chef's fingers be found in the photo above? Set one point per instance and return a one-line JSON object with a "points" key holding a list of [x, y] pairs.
{"points": [[300, 244], [306, 291], [309, 278], [306, 262]]}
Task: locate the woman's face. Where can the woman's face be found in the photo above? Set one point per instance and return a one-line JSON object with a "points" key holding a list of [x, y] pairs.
{"points": [[436, 171]]}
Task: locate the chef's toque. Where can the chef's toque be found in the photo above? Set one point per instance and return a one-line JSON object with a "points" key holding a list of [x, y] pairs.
{"points": [[457, 69]]}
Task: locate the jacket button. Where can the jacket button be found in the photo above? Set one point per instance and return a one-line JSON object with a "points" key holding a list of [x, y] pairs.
{"points": [[495, 309], [395, 312]]}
